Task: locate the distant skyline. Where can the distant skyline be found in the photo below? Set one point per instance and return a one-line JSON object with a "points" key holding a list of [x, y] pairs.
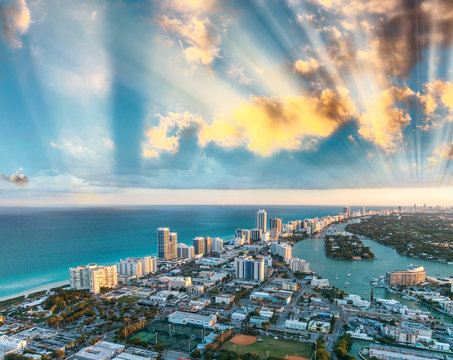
{"points": [[226, 102]]}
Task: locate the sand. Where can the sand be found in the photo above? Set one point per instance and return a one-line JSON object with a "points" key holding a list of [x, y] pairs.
{"points": [[35, 289], [240, 339]]}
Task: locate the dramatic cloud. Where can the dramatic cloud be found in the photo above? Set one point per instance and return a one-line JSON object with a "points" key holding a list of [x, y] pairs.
{"points": [[437, 93], [167, 134], [16, 179], [307, 67], [382, 122], [200, 45], [267, 125], [14, 21]]}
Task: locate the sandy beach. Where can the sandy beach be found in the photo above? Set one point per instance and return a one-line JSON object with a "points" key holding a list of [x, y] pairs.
{"points": [[35, 289]]}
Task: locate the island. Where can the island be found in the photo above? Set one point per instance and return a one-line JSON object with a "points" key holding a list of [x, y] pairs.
{"points": [[346, 246], [424, 235]]}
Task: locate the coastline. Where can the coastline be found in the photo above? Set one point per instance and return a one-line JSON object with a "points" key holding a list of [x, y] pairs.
{"points": [[35, 289]]}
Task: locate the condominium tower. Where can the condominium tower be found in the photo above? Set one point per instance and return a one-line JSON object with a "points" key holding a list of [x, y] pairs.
{"points": [[167, 244], [261, 220]]}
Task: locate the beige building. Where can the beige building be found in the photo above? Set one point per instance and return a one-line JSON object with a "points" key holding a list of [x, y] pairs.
{"points": [[93, 277], [410, 277]]}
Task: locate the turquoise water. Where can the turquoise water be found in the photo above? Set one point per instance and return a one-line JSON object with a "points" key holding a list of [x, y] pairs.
{"points": [[387, 259], [38, 245]]}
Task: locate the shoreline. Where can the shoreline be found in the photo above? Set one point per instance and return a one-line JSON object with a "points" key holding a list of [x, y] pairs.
{"points": [[35, 289]]}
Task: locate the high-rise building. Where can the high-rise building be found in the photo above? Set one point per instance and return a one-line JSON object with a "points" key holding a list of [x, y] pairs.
{"points": [[255, 234], [249, 268], [207, 245], [167, 244], [347, 211], [198, 244], [261, 220], [298, 265], [285, 251], [414, 275], [137, 266], [217, 245], [276, 223], [93, 277], [243, 233], [186, 252]]}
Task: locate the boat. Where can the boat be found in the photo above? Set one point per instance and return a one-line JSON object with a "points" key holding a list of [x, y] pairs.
{"points": [[349, 274], [437, 273]]}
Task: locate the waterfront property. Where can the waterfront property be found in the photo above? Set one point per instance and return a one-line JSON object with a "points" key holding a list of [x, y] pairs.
{"points": [[394, 353], [414, 275]]}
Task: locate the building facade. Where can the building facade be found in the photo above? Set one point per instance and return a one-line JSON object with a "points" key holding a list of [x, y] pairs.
{"points": [[167, 243]]}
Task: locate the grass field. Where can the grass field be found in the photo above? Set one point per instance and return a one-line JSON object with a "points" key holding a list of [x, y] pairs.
{"points": [[278, 348]]}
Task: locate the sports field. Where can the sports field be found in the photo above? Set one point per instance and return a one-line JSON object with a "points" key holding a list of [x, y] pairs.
{"points": [[176, 337], [278, 348]]}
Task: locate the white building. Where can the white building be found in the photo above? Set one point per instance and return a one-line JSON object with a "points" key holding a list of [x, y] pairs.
{"points": [[238, 316], [226, 299], [285, 251], [298, 265], [93, 277], [265, 236], [180, 282], [185, 252], [249, 268], [320, 283], [102, 350], [295, 324], [261, 220], [183, 318], [138, 266], [217, 245]]}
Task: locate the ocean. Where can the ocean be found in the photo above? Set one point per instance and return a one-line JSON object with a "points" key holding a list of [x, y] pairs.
{"points": [[39, 244]]}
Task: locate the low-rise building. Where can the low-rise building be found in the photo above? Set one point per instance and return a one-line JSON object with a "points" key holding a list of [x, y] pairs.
{"points": [[295, 324], [102, 350], [319, 326], [183, 318], [226, 299]]}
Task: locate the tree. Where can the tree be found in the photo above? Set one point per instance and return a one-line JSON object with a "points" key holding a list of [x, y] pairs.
{"points": [[196, 354], [159, 347], [58, 354]]}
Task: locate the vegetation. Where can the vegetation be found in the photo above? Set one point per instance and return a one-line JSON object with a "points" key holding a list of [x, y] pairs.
{"points": [[12, 301], [342, 348], [320, 350], [346, 247], [422, 235]]}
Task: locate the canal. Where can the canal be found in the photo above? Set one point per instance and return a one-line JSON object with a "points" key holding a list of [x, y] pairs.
{"points": [[386, 259]]}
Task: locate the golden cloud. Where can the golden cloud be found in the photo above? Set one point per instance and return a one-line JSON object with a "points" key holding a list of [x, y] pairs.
{"points": [[267, 125], [201, 45], [382, 122], [166, 135], [15, 20]]}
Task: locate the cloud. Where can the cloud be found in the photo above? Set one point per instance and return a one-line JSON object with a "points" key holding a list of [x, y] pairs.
{"points": [[267, 125], [15, 20], [165, 137], [189, 6], [16, 179], [444, 151], [200, 45], [238, 74], [382, 122], [437, 92], [307, 67]]}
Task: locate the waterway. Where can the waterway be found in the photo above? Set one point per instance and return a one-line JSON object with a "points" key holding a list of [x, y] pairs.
{"points": [[386, 259]]}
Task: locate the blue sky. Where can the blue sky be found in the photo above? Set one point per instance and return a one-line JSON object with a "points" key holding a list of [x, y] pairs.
{"points": [[109, 98]]}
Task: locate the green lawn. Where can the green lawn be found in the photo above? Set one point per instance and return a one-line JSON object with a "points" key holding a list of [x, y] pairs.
{"points": [[278, 348]]}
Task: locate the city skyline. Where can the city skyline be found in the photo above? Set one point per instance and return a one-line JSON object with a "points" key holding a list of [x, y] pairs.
{"points": [[166, 101]]}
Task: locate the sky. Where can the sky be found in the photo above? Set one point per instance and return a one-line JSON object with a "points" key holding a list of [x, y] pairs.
{"points": [[209, 101]]}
